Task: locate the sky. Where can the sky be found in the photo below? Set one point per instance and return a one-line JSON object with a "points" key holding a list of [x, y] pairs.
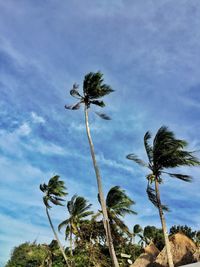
{"points": [[148, 52]]}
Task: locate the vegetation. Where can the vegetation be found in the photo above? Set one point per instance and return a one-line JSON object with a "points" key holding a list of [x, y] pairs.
{"points": [[166, 152], [30, 255], [78, 210]]}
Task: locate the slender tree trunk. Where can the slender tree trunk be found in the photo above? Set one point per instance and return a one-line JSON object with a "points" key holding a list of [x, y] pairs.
{"points": [[164, 227], [101, 196], [57, 239], [70, 241]]}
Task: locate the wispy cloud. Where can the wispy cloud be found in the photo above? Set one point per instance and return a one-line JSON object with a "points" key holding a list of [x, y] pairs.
{"points": [[36, 118]]}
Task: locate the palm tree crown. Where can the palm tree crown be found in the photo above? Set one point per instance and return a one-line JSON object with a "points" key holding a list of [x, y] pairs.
{"points": [[54, 191], [118, 205], [78, 209], [165, 152], [93, 90]]}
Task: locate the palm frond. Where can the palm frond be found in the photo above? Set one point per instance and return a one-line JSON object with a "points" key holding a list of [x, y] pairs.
{"points": [[70, 204], [120, 223], [62, 224], [148, 147], [137, 160], [93, 86], [152, 197], [119, 202], [54, 191], [184, 177], [75, 93], [98, 103], [74, 107], [43, 187], [46, 202], [103, 116]]}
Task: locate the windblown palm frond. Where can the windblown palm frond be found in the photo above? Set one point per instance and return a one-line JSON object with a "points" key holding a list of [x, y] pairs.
{"points": [[54, 191], [136, 159], [103, 116], [184, 177], [152, 197], [93, 86], [93, 90], [148, 147]]}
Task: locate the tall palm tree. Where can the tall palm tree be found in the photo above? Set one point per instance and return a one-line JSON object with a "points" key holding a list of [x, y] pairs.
{"points": [[118, 204], [78, 209], [93, 90], [165, 152], [54, 192]]}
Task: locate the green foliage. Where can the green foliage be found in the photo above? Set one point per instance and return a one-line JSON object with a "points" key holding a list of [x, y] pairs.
{"points": [[151, 233], [30, 255], [88, 251], [183, 229], [78, 209], [166, 151], [93, 86], [54, 191], [118, 205], [93, 90]]}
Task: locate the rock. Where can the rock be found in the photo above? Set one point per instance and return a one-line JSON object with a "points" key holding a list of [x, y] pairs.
{"points": [[148, 257], [182, 248]]}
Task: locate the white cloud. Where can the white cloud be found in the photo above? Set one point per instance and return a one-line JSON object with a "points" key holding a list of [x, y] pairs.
{"points": [[46, 148], [36, 118], [115, 164], [23, 130]]}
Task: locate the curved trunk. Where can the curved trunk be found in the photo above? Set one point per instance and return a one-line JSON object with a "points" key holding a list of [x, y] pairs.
{"points": [[57, 239], [101, 196], [164, 227]]}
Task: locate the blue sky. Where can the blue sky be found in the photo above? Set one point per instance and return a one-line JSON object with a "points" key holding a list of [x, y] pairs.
{"points": [[148, 52]]}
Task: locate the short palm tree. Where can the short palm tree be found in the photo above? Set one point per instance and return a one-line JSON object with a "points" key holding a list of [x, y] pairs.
{"points": [[118, 204], [54, 192], [137, 229], [78, 209], [166, 152], [93, 91]]}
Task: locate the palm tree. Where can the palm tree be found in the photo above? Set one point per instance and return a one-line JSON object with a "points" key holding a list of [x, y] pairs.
{"points": [[137, 229], [118, 204], [78, 209], [93, 90], [54, 192], [166, 152]]}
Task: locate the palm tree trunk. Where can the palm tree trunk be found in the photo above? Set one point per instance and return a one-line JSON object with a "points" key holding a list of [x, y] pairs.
{"points": [[70, 241], [101, 196], [164, 227], [57, 239]]}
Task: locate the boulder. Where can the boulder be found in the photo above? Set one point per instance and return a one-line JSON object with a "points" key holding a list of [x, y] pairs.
{"points": [[148, 257], [183, 251]]}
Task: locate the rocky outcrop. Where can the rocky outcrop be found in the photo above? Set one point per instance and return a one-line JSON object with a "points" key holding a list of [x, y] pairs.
{"points": [[183, 251], [148, 257]]}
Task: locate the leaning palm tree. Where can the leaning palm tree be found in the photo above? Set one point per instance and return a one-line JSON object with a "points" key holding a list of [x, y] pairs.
{"points": [[118, 205], [54, 192], [78, 209], [93, 90], [166, 152]]}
